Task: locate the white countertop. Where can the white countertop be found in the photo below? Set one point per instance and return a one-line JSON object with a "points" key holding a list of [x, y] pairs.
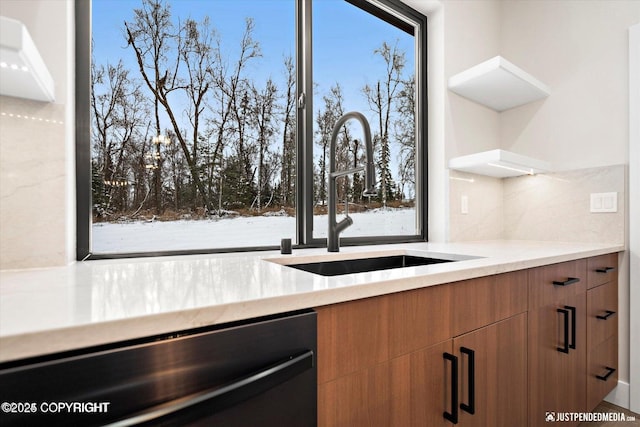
{"points": [[97, 302]]}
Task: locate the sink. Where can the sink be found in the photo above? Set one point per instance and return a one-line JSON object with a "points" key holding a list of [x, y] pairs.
{"points": [[361, 265]]}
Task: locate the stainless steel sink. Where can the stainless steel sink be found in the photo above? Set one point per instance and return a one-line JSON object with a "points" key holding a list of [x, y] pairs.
{"points": [[361, 265]]}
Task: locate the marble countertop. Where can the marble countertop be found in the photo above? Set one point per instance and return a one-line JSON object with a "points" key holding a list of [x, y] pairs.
{"points": [[98, 302]]}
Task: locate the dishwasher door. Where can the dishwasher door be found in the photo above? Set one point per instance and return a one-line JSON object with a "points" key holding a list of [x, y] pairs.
{"points": [[261, 373]]}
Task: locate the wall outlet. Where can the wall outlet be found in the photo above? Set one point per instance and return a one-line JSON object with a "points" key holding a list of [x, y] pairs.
{"points": [[604, 202], [464, 204]]}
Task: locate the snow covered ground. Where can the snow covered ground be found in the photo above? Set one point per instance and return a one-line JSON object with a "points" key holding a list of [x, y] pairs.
{"points": [[238, 231]]}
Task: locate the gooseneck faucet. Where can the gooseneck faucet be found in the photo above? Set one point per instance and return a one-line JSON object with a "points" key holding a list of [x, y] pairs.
{"points": [[335, 228]]}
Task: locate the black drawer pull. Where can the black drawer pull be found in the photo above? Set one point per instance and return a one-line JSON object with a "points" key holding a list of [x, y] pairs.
{"points": [[607, 375], [565, 348], [606, 316], [569, 281], [471, 378], [605, 269], [453, 415]]}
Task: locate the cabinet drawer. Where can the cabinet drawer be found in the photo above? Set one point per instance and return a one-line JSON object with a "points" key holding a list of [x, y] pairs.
{"points": [[359, 334], [602, 269], [485, 300], [352, 336], [418, 319], [602, 313], [552, 283], [602, 371]]}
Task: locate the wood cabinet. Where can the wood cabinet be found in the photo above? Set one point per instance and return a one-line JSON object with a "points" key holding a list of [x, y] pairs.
{"points": [[405, 391], [573, 348], [489, 325], [380, 360], [602, 328], [557, 340], [556, 369], [493, 374], [500, 350]]}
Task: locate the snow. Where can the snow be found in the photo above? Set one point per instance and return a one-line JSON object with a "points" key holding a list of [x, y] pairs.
{"points": [[231, 232]]}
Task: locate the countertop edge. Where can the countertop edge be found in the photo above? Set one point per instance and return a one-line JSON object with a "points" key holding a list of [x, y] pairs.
{"points": [[42, 343]]}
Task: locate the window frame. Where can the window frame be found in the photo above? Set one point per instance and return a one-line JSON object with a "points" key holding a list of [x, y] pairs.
{"points": [[392, 11]]}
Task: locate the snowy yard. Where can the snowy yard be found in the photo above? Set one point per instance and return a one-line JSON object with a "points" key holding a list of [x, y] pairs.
{"points": [[237, 232]]}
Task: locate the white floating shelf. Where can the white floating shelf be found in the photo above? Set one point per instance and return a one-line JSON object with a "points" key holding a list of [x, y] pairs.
{"points": [[499, 164], [498, 84], [23, 73]]}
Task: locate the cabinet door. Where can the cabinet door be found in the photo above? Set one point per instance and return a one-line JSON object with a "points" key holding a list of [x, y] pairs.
{"points": [[410, 390], [493, 374], [557, 380]]}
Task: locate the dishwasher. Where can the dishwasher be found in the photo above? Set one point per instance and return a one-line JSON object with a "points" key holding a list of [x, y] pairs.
{"points": [[255, 373]]}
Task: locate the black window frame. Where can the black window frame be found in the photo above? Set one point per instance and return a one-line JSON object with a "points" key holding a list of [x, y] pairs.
{"points": [[393, 12]]}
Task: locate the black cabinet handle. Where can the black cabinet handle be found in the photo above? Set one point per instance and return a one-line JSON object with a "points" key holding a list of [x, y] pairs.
{"points": [[565, 313], [606, 316], [572, 342], [453, 415], [471, 375], [605, 269], [569, 281], [607, 375]]}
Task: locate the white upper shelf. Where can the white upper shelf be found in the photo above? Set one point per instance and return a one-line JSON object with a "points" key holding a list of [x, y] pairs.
{"points": [[499, 164], [23, 73], [498, 84]]}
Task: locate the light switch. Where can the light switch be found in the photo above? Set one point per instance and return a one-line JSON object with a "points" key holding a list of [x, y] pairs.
{"points": [[604, 202]]}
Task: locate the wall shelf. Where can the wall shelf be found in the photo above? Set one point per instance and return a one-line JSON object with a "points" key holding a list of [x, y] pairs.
{"points": [[23, 73], [498, 84], [499, 164]]}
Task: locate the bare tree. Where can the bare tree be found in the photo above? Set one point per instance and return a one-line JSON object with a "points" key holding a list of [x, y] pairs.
{"points": [[381, 98], [119, 110], [156, 44], [405, 134], [325, 121], [194, 46], [263, 120], [231, 104], [287, 175]]}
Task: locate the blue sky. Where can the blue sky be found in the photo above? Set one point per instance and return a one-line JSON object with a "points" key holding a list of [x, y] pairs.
{"points": [[343, 40]]}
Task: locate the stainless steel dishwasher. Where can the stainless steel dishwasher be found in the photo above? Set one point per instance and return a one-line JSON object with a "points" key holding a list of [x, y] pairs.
{"points": [[257, 373]]}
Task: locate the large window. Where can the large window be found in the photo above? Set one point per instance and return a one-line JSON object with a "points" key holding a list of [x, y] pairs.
{"points": [[205, 125]]}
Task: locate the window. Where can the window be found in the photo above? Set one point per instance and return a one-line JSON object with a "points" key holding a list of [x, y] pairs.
{"points": [[205, 125]]}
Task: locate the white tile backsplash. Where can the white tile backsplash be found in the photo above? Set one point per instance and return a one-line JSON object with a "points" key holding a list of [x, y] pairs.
{"points": [[556, 207], [553, 207], [485, 207], [33, 173]]}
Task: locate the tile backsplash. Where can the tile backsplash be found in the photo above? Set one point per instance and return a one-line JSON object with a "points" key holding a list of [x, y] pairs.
{"points": [[484, 219], [33, 175], [553, 207]]}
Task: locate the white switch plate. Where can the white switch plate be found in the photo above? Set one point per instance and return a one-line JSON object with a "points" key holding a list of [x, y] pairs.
{"points": [[604, 202]]}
